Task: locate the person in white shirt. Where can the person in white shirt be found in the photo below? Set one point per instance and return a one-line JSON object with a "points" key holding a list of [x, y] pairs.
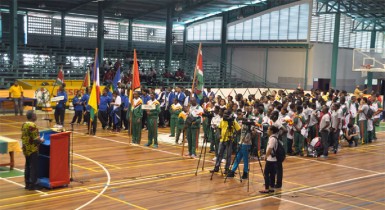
{"points": [[377, 108], [336, 120], [324, 126], [271, 161], [352, 134], [116, 112], [362, 119], [352, 109]]}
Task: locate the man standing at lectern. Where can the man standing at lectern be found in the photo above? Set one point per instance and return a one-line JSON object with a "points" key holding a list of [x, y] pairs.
{"points": [[16, 94], [31, 140]]}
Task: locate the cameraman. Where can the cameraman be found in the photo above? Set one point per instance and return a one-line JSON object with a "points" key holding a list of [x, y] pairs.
{"points": [[213, 137], [226, 127]]}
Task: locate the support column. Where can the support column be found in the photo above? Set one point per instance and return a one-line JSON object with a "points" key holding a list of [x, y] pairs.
{"points": [[63, 30], [306, 67], [184, 40], [100, 40], [223, 66], [168, 56], [266, 66], [372, 45], [130, 22], [13, 33], [333, 75]]}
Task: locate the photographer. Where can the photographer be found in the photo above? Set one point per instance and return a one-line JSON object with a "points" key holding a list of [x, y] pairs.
{"points": [[193, 123], [271, 160], [226, 126], [245, 145]]}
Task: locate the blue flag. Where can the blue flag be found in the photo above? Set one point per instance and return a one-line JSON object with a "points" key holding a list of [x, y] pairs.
{"points": [[116, 80]]}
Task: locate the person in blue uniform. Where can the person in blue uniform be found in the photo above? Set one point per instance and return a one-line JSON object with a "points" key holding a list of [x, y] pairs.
{"points": [[78, 107], [104, 104], [86, 110], [60, 107]]}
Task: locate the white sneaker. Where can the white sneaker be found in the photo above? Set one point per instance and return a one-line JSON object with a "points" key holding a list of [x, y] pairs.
{"points": [[223, 161], [56, 126], [59, 126], [215, 158]]}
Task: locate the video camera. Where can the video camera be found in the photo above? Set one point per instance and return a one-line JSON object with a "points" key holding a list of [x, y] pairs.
{"points": [[247, 122], [229, 118]]}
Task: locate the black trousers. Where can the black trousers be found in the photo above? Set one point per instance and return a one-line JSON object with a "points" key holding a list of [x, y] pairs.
{"points": [[325, 142], [110, 117], [124, 119], [90, 125], [103, 117], [270, 172], [162, 116], [59, 115], [78, 115], [144, 118], [289, 146], [279, 170], [30, 170], [167, 115]]}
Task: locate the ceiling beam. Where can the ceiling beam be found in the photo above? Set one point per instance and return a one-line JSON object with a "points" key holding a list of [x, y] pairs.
{"points": [[78, 5]]}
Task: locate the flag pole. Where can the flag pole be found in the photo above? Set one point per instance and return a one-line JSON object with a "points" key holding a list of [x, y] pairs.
{"points": [[132, 95], [54, 84], [195, 72], [93, 83]]}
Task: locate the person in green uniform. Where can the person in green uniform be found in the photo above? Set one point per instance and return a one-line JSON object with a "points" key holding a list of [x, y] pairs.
{"points": [[193, 123], [180, 124], [176, 108], [152, 122], [137, 114]]}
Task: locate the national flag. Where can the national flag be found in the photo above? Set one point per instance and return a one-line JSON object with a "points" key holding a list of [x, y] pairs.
{"points": [[94, 99], [135, 84], [198, 74], [116, 80], [60, 77], [86, 82]]}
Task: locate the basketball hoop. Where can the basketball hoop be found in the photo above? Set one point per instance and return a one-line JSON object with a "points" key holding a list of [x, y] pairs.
{"points": [[367, 66]]}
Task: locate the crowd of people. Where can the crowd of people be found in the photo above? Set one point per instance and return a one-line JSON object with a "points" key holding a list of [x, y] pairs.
{"points": [[148, 76], [302, 123]]}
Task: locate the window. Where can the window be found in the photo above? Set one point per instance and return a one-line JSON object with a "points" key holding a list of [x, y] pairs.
{"points": [[39, 25], [282, 24], [207, 30]]}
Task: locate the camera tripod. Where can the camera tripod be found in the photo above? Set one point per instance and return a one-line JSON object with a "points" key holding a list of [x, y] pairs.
{"points": [[230, 135], [248, 132], [204, 145]]}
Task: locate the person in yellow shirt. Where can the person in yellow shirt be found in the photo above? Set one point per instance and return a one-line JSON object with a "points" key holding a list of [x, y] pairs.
{"points": [[227, 136], [16, 94]]}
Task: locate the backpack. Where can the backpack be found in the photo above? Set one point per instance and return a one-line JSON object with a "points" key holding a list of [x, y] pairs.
{"points": [[370, 113], [279, 153]]}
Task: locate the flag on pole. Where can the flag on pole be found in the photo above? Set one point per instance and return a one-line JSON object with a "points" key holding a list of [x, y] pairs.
{"points": [[199, 74], [135, 84], [93, 102], [60, 77], [86, 82], [116, 80]]}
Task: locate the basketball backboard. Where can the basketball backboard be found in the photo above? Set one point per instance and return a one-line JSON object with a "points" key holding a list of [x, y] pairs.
{"points": [[369, 60]]}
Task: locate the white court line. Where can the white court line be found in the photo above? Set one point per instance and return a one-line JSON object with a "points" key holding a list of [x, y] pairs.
{"points": [[118, 183], [21, 185], [333, 164], [105, 186], [301, 204], [300, 190], [126, 143]]}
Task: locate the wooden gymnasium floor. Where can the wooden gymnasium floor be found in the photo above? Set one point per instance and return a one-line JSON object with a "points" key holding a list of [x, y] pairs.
{"points": [[111, 173]]}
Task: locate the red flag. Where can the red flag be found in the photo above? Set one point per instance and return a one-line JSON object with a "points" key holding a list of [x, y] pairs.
{"points": [[86, 82], [135, 77], [60, 77], [135, 73]]}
